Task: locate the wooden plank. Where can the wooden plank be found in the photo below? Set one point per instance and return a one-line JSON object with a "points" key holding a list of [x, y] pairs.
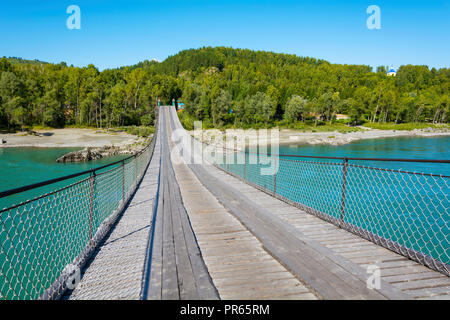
{"points": [[380, 254], [203, 282], [267, 295], [404, 270], [335, 236], [379, 260], [239, 256], [444, 292], [241, 234], [255, 266], [427, 283], [286, 286], [254, 278], [358, 244], [404, 262], [413, 276], [228, 241], [246, 273], [169, 270], [205, 286], [186, 279], [329, 242], [305, 296], [438, 297], [154, 290], [227, 250]]}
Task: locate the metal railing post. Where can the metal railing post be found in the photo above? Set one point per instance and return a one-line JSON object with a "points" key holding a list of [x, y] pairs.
{"points": [[91, 204], [225, 162], [245, 166], [275, 177], [344, 187], [135, 170], [228, 165], [123, 180]]}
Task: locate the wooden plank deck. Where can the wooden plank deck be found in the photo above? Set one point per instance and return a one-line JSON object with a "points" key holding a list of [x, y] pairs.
{"points": [[177, 270], [237, 262], [331, 260]]}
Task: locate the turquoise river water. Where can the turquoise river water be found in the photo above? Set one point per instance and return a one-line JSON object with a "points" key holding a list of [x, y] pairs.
{"points": [[412, 210], [407, 203], [24, 166]]}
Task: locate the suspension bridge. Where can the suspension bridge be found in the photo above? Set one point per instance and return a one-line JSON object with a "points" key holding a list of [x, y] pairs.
{"points": [[154, 227]]}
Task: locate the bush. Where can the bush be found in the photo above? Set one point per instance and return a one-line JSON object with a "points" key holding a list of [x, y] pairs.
{"points": [[139, 131], [400, 126], [147, 120], [186, 120]]}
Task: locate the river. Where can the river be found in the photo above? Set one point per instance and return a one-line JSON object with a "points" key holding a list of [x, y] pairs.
{"points": [[399, 147], [404, 202], [23, 166]]}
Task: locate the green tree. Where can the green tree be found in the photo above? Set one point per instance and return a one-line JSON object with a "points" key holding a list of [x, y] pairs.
{"points": [[10, 90], [256, 109], [296, 108], [221, 107]]}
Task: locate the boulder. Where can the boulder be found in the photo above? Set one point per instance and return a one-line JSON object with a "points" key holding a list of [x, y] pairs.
{"points": [[84, 155]]}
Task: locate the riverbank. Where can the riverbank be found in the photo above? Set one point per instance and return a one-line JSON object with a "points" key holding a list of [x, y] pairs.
{"points": [[296, 137], [68, 138], [288, 136]]}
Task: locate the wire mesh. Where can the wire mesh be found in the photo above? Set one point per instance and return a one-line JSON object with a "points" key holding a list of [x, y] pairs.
{"points": [[41, 238], [403, 211]]}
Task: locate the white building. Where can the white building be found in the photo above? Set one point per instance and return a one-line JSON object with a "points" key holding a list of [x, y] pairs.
{"points": [[392, 72]]}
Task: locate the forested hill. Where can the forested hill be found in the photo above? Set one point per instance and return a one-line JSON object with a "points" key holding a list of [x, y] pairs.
{"points": [[198, 60], [222, 86], [14, 60]]}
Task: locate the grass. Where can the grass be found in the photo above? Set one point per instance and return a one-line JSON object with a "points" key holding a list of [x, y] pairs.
{"points": [[80, 126], [404, 126], [321, 127], [139, 131], [187, 121]]}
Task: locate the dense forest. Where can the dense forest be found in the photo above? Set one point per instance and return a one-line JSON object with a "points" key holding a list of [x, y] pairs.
{"points": [[222, 87]]}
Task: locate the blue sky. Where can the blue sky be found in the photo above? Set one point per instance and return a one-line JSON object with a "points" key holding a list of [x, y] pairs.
{"points": [[124, 32]]}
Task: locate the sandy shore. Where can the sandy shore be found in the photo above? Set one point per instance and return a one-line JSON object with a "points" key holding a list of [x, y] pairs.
{"points": [[336, 138], [73, 138], [294, 137]]}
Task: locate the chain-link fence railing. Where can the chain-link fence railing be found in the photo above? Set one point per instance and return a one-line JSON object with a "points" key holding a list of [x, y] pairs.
{"points": [[43, 241], [405, 212]]}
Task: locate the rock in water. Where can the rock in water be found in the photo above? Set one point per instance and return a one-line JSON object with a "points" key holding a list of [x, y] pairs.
{"points": [[84, 155], [89, 153]]}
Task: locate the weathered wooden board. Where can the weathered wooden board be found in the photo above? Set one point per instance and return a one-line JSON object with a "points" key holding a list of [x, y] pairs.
{"points": [[178, 270]]}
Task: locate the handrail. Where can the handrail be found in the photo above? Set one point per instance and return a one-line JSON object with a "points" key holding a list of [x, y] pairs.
{"points": [[371, 159], [10, 192], [334, 158], [346, 159]]}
